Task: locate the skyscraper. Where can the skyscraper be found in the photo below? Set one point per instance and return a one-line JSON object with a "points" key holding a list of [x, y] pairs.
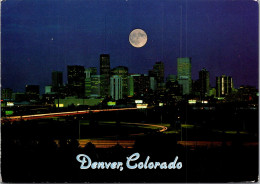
{"points": [[158, 73], [96, 85], [105, 71], [91, 74], [57, 80], [224, 85], [184, 74], [116, 88], [139, 84], [76, 80], [121, 71], [204, 82]]}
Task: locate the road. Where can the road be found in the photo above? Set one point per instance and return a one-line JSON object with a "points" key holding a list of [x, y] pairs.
{"points": [[58, 114], [130, 143]]}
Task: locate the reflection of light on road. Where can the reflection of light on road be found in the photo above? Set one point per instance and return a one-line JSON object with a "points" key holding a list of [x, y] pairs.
{"points": [[107, 143], [70, 113], [163, 128], [212, 143], [130, 143]]}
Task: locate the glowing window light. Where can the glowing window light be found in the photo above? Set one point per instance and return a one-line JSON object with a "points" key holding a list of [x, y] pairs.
{"points": [[10, 104], [192, 101], [141, 106], [59, 105], [138, 101]]}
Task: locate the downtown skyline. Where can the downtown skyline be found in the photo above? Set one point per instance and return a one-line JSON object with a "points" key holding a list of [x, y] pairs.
{"points": [[40, 37]]}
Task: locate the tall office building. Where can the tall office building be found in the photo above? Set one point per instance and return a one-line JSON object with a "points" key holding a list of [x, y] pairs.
{"points": [[121, 71], [76, 80], [130, 86], [184, 74], [139, 84], [96, 85], [88, 73], [57, 80], [204, 82], [116, 87], [105, 71], [224, 85], [153, 83], [158, 73]]}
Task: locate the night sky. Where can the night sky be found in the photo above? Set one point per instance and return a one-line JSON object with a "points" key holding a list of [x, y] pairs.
{"points": [[40, 36]]}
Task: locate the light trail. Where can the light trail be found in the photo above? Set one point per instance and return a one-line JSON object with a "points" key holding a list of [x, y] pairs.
{"points": [[57, 114], [107, 143], [163, 128]]}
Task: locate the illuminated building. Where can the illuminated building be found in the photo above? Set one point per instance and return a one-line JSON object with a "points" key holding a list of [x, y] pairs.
{"points": [[184, 74], [224, 85], [96, 85], [116, 87], [212, 92], [153, 83], [130, 87], [204, 82], [171, 78], [57, 81], [76, 80], [88, 73], [48, 90], [68, 101], [122, 71], [105, 71]]}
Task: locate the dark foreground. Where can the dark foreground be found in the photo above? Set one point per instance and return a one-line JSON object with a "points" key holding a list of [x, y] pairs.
{"points": [[30, 152]]}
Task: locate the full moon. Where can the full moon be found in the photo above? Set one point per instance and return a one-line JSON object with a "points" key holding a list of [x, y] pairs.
{"points": [[138, 38]]}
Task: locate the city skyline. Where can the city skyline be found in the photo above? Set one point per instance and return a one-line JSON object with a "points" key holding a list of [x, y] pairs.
{"points": [[45, 38]]}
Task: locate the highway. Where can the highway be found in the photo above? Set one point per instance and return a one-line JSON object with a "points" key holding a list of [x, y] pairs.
{"points": [[57, 114], [130, 143]]}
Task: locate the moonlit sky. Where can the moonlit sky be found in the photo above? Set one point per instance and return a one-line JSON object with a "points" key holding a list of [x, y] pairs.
{"points": [[39, 37]]}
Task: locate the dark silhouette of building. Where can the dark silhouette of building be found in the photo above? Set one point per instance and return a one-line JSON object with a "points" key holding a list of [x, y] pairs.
{"points": [[158, 73], [105, 71], [122, 72], [76, 80], [141, 84], [6, 94], [173, 89], [57, 80], [196, 87], [32, 92], [224, 86], [204, 82], [247, 93]]}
